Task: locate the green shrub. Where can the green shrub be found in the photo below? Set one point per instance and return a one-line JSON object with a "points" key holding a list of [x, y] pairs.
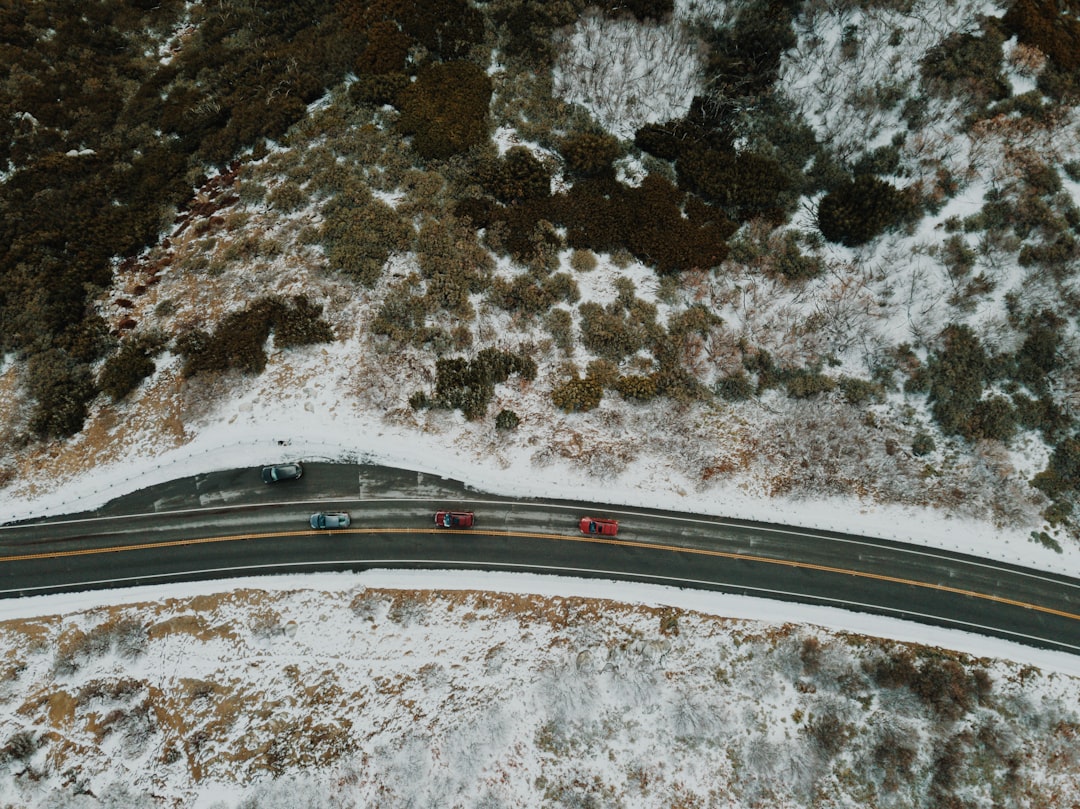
{"points": [[859, 391], [1046, 541], [453, 262], [922, 444], [656, 222], [446, 109], [577, 395], [402, 315], [239, 341], [518, 175], [560, 324], [62, 389], [636, 386], [744, 60], [735, 387], [378, 89], [1062, 473], [531, 295], [788, 259], [123, 371], [589, 154], [1039, 353], [468, 386], [969, 64], [992, 418], [956, 373], [360, 233], [603, 372], [804, 384], [744, 185], [1042, 414], [299, 322], [860, 210], [583, 260], [507, 420], [695, 319], [614, 334], [386, 51]]}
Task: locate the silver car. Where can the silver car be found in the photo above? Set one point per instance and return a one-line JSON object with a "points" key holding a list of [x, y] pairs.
{"points": [[331, 519]]}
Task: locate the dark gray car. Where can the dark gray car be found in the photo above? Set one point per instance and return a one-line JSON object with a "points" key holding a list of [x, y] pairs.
{"points": [[283, 471]]}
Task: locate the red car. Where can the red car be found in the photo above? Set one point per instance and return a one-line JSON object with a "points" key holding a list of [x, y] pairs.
{"points": [[454, 519], [593, 525]]}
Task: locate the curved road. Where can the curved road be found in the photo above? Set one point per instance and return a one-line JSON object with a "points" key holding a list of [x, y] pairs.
{"points": [[229, 523]]}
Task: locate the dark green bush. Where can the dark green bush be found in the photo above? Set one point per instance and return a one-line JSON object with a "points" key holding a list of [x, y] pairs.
{"points": [[561, 325], [360, 233], [123, 371], [992, 418], [386, 51], [379, 89], [589, 153], [518, 175], [1039, 353], [526, 28], [642, 9], [804, 384], [468, 386], [239, 341], [1062, 473], [507, 420], [62, 389], [857, 211], [744, 185], [859, 391], [1042, 414], [446, 109], [956, 373], [299, 322], [656, 222], [744, 59], [922, 444], [968, 64], [735, 387]]}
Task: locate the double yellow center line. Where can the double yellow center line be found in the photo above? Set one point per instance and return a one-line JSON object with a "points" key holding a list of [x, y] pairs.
{"points": [[651, 546]]}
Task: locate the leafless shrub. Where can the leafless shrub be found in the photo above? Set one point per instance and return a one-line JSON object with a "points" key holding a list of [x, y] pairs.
{"points": [[20, 747], [407, 609]]}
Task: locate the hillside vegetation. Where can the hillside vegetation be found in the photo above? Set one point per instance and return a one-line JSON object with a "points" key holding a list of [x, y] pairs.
{"points": [[803, 247]]}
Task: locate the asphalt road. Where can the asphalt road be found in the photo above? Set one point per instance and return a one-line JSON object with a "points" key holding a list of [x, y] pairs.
{"points": [[230, 523]]}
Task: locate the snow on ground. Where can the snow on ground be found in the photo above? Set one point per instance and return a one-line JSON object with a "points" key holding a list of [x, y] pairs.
{"points": [[628, 73], [403, 688]]}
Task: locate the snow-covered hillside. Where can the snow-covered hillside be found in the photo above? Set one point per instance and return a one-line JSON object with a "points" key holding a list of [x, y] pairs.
{"points": [[468, 690]]}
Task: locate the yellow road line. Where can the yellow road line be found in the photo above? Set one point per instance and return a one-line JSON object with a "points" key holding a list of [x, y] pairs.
{"points": [[652, 546]]}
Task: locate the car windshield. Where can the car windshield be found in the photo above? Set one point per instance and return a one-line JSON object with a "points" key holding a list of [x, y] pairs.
{"points": [[447, 520]]}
